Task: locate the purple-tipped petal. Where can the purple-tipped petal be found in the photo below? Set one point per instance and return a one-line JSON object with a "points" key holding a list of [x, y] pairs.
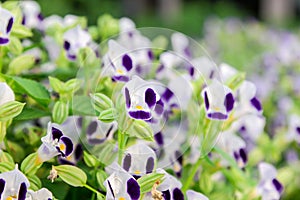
{"points": [[92, 128], [40, 17], [217, 115], [9, 25], [94, 141], [78, 152], [150, 165], [127, 98], [167, 94], [187, 52], [255, 102], [140, 114], [159, 138], [68, 145], [133, 189], [159, 107], [127, 62], [22, 192], [177, 194], [191, 71], [206, 100], [277, 185], [150, 97], [243, 155], [150, 55], [228, 102], [121, 78], [211, 75], [67, 45], [160, 68], [2, 185], [127, 162], [3, 40], [56, 133], [71, 57], [178, 156], [298, 130], [166, 195]]}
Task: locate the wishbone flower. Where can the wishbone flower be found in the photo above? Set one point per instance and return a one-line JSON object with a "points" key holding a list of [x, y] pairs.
{"points": [[54, 144], [32, 16], [6, 24], [13, 185], [75, 39], [218, 100], [42, 194], [142, 99], [192, 195]]}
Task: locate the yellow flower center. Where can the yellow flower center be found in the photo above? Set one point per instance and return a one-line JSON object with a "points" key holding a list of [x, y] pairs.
{"points": [[62, 147], [122, 198], [11, 197], [120, 71], [137, 172], [139, 107]]}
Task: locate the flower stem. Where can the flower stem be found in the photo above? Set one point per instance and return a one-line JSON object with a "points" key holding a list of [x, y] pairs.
{"points": [[121, 144], [94, 190], [191, 175]]}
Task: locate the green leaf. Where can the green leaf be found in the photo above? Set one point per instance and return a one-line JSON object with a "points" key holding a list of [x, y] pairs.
{"points": [[72, 175], [35, 182], [15, 46], [73, 85], [31, 113], [21, 31], [60, 112], [31, 164], [141, 130], [20, 64], [146, 182], [90, 160], [32, 88], [81, 105], [10, 110]]}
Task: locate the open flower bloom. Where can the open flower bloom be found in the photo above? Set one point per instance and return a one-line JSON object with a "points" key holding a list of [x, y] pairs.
{"points": [[117, 62], [269, 188], [75, 39], [180, 44], [192, 195], [6, 24], [54, 21], [139, 160], [32, 16], [6, 94], [227, 72], [13, 185], [204, 68], [234, 146], [142, 100], [98, 132], [218, 100], [120, 185], [294, 129], [42, 194], [54, 144]]}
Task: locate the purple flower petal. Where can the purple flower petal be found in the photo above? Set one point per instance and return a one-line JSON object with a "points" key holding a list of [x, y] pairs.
{"points": [[228, 102], [40, 17], [178, 156], [159, 107], [3, 40], [121, 78], [166, 195], [2, 185], [167, 94], [67, 45], [140, 114], [277, 185], [127, 98], [92, 128], [150, 97], [159, 138], [68, 145], [177, 194], [206, 100], [217, 115], [56, 133], [243, 155], [255, 102], [150, 165], [127, 162], [160, 68], [127, 62], [95, 141], [298, 130], [78, 152], [150, 55], [9, 25], [22, 192], [133, 189]]}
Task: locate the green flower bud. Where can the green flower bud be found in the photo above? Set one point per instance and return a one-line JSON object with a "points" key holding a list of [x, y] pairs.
{"points": [[10, 110], [21, 63], [108, 115], [141, 130], [90, 160], [72, 175], [146, 182], [31, 164], [60, 112], [101, 176], [101, 102]]}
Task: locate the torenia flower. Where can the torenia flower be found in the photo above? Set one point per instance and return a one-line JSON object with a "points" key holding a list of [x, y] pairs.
{"points": [[54, 143], [32, 16], [121, 185], [192, 195], [142, 100], [294, 128], [269, 187], [117, 62], [13, 185], [218, 100], [6, 94], [75, 39], [42, 194], [6, 24], [139, 160]]}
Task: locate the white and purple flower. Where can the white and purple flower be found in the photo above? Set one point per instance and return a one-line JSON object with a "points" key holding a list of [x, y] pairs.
{"points": [[218, 100], [32, 16], [6, 24], [6, 94], [74, 40], [54, 143], [142, 99], [192, 195]]}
